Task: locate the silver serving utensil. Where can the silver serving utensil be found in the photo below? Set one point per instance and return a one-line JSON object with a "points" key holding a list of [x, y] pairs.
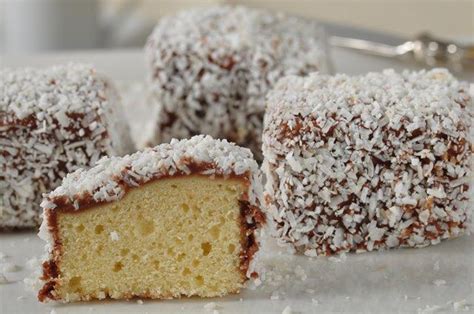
{"points": [[424, 49]]}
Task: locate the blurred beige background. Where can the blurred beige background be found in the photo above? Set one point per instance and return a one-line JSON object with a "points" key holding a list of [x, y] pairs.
{"points": [[29, 26], [447, 18]]}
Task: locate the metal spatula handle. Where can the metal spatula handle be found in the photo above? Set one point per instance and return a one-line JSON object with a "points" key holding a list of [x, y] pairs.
{"points": [[424, 48]]}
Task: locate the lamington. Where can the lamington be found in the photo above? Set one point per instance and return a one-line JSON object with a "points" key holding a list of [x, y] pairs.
{"points": [[210, 68], [370, 162], [52, 121], [179, 219]]}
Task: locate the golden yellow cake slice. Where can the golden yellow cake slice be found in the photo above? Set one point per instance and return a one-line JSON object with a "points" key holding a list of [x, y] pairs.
{"points": [[179, 219]]}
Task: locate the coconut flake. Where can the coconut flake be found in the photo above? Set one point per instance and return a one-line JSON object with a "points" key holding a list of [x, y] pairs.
{"points": [[287, 310]]}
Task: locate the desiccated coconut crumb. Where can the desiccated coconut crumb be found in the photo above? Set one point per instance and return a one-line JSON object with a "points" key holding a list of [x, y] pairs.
{"points": [[3, 256], [460, 306], [274, 296], [342, 258], [299, 271], [33, 263], [210, 306], [3, 279], [429, 309], [439, 282], [287, 310], [10, 268]]}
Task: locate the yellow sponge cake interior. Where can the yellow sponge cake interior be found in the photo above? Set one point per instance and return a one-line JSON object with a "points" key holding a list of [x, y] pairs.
{"points": [[175, 236], [180, 219]]}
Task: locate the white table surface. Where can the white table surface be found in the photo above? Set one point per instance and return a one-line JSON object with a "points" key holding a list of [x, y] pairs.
{"points": [[399, 281]]}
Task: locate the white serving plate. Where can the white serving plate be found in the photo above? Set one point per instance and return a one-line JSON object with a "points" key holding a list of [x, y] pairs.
{"points": [[399, 281]]}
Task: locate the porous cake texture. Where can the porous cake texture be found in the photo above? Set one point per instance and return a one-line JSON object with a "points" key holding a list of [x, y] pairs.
{"points": [[210, 68], [52, 121], [179, 219], [368, 162]]}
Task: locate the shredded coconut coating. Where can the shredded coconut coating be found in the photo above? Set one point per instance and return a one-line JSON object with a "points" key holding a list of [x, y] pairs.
{"points": [[209, 69], [368, 162], [110, 178], [52, 121]]}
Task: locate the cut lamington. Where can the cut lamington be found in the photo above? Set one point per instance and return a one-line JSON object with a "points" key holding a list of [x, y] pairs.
{"points": [[368, 162], [210, 68], [52, 121], [180, 219]]}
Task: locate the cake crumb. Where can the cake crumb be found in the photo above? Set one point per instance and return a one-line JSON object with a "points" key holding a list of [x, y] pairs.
{"points": [[140, 302], [114, 236], [53, 311], [314, 302], [439, 282], [287, 310], [21, 297]]}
